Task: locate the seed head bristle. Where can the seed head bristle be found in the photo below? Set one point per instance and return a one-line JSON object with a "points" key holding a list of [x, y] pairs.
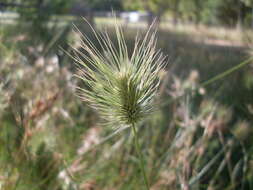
{"points": [[120, 87]]}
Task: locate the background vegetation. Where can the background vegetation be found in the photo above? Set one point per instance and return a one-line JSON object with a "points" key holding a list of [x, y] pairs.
{"points": [[200, 137]]}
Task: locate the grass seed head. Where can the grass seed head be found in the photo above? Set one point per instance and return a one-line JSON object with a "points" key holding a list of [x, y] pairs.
{"points": [[119, 86]]}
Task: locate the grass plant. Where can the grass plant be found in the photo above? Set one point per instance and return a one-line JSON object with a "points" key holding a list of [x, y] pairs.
{"points": [[121, 87]]}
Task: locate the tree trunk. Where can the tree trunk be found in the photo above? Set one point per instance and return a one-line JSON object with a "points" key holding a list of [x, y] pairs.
{"points": [[252, 17], [176, 12], [150, 18], [239, 17], [90, 17], [197, 19], [198, 8], [175, 18]]}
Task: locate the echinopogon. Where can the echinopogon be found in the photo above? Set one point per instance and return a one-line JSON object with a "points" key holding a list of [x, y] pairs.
{"points": [[121, 87]]}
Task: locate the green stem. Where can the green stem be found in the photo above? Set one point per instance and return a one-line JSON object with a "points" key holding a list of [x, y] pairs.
{"points": [[214, 79], [227, 72], [141, 161]]}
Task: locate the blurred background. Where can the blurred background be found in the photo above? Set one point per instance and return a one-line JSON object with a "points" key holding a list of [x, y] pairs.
{"points": [[200, 136]]}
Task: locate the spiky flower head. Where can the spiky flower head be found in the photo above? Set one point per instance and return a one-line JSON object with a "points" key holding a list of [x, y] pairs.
{"points": [[119, 86]]}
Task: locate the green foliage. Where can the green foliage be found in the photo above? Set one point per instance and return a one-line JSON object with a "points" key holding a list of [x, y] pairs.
{"points": [[104, 5], [247, 2], [154, 7], [132, 5], [38, 13], [193, 9]]}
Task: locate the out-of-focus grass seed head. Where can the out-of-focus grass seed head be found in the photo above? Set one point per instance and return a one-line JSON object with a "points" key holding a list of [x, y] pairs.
{"points": [[120, 87]]}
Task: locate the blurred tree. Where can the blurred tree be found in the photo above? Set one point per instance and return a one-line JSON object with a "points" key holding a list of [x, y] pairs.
{"points": [[192, 9], [87, 8], [37, 14], [105, 5], [154, 8], [12, 4], [226, 12], [132, 5], [174, 7], [250, 4]]}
